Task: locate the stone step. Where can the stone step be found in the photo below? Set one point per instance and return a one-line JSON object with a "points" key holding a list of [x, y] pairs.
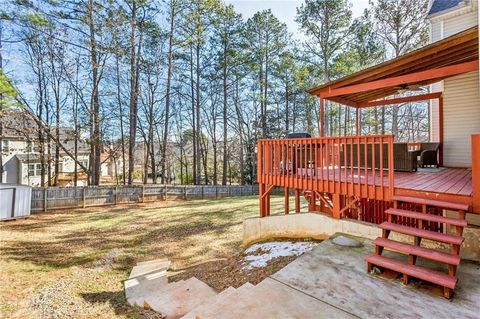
{"points": [[137, 288], [147, 267], [180, 299], [282, 302], [228, 301], [199, 312]]}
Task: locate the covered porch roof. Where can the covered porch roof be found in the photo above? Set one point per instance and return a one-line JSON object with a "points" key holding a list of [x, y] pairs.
{"points": [[451, 56]]}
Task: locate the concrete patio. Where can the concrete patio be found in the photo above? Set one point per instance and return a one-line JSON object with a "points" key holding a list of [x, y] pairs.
{"points": [[331, 281], [336, 276]]}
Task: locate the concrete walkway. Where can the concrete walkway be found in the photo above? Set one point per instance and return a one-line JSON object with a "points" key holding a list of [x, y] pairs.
{"points": [[337, 276]]}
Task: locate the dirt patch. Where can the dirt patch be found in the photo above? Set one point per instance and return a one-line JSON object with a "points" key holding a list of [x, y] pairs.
{"points": [[231, 272]]}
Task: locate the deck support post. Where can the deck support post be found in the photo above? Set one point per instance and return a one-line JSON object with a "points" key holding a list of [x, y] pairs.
{"points": [[261, 191], [476, 172], [336, 206], [297, 201], [264, 196], [287, 200], [322, 117]]}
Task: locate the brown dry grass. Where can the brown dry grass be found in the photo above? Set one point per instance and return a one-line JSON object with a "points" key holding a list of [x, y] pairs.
{"points": [[72, 263]]}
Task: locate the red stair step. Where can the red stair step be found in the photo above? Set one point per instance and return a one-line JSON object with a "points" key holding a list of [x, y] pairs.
{"points": [[444, 238], [432, 202], [419, 272], [430, 254], [427, 217]]}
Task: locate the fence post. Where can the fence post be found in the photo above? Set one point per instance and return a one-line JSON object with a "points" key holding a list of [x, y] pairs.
{"points": [[229, 190], [116, 195], [83, 197], [165, 192], [185, 192], [143, 193], [45, 199], [203, 192], [216, 192]]}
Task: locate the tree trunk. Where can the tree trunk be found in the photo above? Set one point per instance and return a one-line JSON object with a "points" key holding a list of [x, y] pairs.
{"points": [[167, 93], [225, 113], [95, 103], [133, 95], [197, 115]]}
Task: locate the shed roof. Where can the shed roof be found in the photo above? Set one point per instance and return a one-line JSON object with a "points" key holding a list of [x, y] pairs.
{"points": [[442, 59]]}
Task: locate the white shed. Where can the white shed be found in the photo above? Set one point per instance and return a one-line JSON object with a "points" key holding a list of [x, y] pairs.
{"points": [[15, 201]]}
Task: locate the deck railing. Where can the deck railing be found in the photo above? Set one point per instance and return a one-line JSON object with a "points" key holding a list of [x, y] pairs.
{"points": [[357, 166]]}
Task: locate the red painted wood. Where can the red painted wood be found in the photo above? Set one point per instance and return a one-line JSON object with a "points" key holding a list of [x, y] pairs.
{"points": [[420, 97], [423, 252], [411, 78], [431, 202], [412, 231], [476, 171], [427, 217], [413, 270]]}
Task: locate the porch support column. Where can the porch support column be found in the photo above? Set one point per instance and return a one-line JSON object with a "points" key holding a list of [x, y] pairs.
{"points": [[322, 117], [476, 172], [440, 130], [357, 121]]}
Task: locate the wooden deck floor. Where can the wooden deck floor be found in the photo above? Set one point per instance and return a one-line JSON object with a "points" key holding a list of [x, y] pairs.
{"points": [[454, 181]]}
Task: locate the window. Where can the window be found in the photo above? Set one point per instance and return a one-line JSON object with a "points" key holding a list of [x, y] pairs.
{"points": [[38, 169], [5, 146], [84, 163], [31, 169], [29, 147]]}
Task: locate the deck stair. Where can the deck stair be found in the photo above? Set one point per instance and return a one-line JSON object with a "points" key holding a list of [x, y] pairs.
{"points": [[418, 230]]}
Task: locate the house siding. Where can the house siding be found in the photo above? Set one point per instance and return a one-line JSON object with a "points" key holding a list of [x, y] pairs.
{"points": [[459, 23], [461, 99], [461, 118]]}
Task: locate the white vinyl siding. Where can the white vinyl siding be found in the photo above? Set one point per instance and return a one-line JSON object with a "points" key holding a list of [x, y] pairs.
{"points": [[459, 23], [461, 94], [461, 118], [434, 114], [436, 31]]}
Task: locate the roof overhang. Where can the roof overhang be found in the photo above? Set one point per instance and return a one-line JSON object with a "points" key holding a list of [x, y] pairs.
{"points": [[449, 57]]}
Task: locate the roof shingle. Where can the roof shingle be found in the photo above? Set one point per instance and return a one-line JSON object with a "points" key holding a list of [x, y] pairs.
{"points": [[442, 5]]}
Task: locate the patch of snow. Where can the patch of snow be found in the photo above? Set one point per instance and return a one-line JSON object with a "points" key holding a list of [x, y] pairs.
{"points": [[259, 255]]}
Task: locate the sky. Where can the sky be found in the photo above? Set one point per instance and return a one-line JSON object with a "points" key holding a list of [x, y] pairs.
{"points": [[284, 10]]}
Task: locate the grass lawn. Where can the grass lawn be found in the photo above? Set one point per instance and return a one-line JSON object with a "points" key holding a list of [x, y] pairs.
{"points": [[72, 263]]}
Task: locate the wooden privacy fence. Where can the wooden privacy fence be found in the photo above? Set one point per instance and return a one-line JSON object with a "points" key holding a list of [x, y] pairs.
{"points": [[50, 198]]}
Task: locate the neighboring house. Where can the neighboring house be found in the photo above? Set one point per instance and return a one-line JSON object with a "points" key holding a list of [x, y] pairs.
{"points": [[461, 97], [21, 153]]}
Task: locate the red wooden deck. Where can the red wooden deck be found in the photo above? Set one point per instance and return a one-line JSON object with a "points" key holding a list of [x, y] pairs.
{"points": [[455, 181]]}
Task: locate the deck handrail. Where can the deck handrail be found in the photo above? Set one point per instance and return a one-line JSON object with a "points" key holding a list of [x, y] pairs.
{"points": [[355, 165]]}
